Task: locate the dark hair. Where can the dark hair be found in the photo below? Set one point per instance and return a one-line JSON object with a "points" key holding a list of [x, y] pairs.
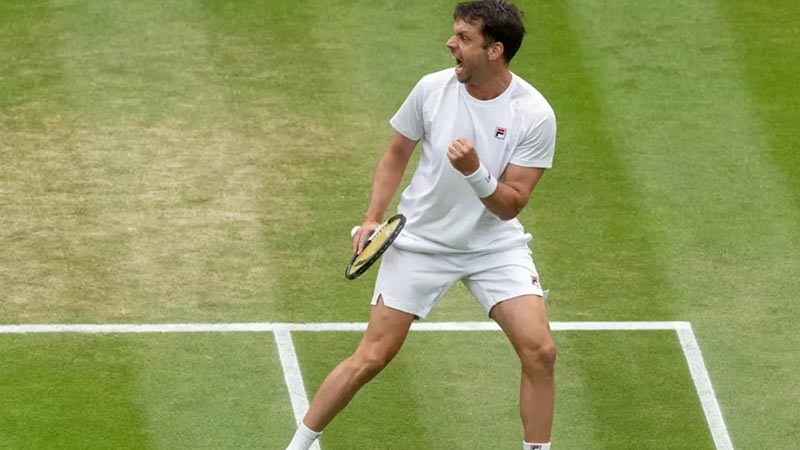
{"points": [[500, 20]]}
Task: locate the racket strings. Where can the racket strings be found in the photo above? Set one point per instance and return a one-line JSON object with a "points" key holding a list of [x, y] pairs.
{"points": [[376, 241]]}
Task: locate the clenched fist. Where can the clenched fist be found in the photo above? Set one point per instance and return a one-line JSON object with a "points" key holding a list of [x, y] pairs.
{"points": [[463, 156]]}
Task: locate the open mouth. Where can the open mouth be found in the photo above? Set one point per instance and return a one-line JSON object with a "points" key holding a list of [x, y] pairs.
{"points": [[459, 66]]}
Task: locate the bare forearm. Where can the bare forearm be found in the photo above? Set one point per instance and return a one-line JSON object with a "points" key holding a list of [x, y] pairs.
{"points": [[506, 202], [504, 198], [388, 176]]}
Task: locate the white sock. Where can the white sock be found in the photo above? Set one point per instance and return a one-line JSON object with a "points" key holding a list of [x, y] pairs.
{"points": [[533, 446], [303, 438]]}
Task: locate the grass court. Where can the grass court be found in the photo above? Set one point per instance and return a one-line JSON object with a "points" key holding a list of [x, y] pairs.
{"points": [[202, 161]]}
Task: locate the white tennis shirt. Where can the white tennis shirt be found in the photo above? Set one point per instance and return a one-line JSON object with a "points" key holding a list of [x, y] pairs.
{"points": [[443, 213]]}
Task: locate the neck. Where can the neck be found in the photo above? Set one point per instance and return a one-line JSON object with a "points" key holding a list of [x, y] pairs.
{"points": [[492, 87]]}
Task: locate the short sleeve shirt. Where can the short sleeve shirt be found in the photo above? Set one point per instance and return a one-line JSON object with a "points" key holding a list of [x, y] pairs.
{"points": [[443, 213]]}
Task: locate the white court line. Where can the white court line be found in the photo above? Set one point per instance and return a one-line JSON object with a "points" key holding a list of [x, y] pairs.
{"points": [[705, 391], [293, 376], [344, 326]]}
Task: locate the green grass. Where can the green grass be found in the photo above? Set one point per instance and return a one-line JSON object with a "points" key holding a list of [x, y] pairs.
{"points": [[136, 392], [204, 161], [467, 383]]}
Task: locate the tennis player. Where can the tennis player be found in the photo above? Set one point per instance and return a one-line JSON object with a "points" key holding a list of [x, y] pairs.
{"points": [[487, 137]]}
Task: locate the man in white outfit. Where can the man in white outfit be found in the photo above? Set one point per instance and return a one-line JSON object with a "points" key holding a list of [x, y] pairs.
{"points": [[487, 137]]}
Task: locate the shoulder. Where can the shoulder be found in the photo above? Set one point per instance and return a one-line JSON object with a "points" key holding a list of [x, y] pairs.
{"points": [[437, 81], [440, 78], [530, 103]]}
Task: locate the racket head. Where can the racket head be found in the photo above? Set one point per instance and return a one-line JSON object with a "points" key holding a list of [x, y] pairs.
{"points": [[376, 244]]}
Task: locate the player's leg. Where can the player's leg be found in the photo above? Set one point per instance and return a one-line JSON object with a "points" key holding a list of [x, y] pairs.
{"points": [[507, 286], [408, 286], [524, 320], [386, 332]]}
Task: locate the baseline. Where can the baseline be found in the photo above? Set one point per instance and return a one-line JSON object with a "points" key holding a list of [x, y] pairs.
{"points": [[261, 327]]}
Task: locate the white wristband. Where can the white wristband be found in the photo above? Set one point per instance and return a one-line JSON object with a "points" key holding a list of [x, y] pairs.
{"points": [[482, 182]]}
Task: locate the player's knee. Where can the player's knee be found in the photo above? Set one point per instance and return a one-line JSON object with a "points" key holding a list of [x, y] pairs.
{"points": [[368, 365], [539, 357]]}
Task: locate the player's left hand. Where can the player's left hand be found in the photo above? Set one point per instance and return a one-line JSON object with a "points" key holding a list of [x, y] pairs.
{"points": [[462, 156]]}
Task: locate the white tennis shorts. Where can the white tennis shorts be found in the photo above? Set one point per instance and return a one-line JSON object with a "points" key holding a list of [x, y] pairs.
{"points": [[414, 282]]}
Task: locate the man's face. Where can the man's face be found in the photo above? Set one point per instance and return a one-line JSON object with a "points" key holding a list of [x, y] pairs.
{"points": [[467, 47]]}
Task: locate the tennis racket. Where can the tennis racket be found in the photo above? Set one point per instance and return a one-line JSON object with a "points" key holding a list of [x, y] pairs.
{"points": [[376, 244]]}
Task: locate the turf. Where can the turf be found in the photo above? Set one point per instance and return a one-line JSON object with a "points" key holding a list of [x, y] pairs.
{"points": [[205, 160], [141, 392], [467, 383]]}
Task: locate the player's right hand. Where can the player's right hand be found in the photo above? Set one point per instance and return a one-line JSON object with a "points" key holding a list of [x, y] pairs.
{"points": [[463, 157], [364, 231]]}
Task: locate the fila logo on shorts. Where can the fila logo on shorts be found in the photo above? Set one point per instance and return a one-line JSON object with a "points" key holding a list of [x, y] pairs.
{"points": [[500, 132]]}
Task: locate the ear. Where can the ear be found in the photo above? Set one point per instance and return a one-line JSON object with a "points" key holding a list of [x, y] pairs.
{"points": [[496, 51]]}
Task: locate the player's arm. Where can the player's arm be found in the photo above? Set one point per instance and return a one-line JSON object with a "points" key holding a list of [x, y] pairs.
{"points": [[513, 191], [388, 176], [504, 198]]}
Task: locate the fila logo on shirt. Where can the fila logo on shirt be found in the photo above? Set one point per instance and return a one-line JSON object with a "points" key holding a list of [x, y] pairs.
{"points": [[499, 132]]}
